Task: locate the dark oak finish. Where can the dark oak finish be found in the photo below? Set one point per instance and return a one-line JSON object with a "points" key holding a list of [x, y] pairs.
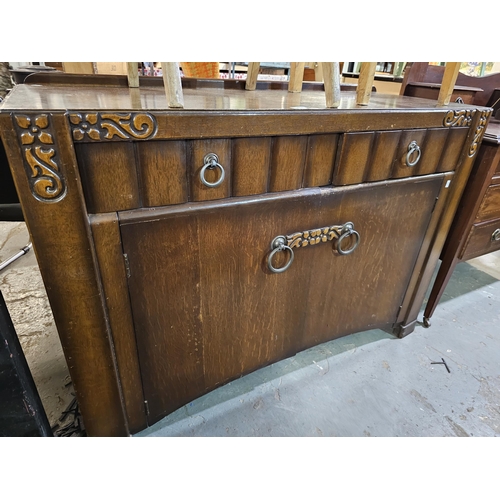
{"points": [[160, 285], [108, 246], [207, 308], [61, 240], [162, 172]]}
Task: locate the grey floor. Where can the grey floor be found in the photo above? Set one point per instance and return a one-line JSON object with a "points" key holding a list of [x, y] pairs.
{"points": [[366, 384]]}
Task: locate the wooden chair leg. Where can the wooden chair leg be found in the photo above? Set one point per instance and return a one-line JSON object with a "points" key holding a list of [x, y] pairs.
{"points": [[252, 72], [331, 76], [296, 77], [365, 83], [132, 75], [173, 85], [448, 83]]}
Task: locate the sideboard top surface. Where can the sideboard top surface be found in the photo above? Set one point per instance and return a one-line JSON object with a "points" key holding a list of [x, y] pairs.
{"points": [[55, 98]]}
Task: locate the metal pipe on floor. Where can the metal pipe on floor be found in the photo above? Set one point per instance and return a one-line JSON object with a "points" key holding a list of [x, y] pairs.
{"points": [[10, 260]]}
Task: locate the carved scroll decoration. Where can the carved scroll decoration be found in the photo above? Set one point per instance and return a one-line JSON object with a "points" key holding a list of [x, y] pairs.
{"points": [[480, 129], [315, 236], [40, 157], [459, 118], [106, 126]]}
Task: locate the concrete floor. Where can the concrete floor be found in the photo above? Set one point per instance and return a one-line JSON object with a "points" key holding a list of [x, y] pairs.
{"points": [[366, 384]]}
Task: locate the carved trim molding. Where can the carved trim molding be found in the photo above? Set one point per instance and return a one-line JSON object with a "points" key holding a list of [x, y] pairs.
{"points": [[40, 157], [107, 126], [459, 118], [480, 129], [315, 236]]}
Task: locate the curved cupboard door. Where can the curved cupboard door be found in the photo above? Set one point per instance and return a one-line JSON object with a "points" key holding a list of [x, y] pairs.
{"points": [[207, 308]]}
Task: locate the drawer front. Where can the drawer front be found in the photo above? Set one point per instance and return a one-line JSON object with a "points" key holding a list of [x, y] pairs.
{"points": [[483, 238], [120, 176], [375, 156], [208, 307], [490, 206]]}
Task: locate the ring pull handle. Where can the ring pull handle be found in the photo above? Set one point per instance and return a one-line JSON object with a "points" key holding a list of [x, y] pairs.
{"points": [[347, 232], [459, 100], [278, 245], [413, 148], [211, 161], [495, 235]]}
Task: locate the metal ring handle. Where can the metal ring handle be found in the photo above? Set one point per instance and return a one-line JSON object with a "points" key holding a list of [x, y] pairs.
{"points": [[278, 245], [211, 160], [348, 231], [413, 148], [496, 235]]}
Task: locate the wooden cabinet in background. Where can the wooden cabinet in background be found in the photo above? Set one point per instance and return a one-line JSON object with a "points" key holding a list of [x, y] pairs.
{"points": [[181, 249]]}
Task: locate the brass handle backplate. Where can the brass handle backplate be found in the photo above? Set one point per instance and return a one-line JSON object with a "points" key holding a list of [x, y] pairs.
{"points": [[312, 237]]}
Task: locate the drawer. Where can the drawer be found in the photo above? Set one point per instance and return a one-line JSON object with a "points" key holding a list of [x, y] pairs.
{"points": [[123, 176], [490, 206], [120, 176], [483, 238], [375, 156]]}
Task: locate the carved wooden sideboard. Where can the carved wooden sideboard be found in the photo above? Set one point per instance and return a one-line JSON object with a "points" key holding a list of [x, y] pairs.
{"points": [[181, 249]]}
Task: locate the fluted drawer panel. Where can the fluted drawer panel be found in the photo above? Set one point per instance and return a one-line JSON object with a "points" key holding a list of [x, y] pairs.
{"points": [[400, 167], [199, 149], [109, 176], [287, 163], [384, 150], [431, 151], [321, 151], [251, 160], [353, 159], [162, 171], [452, 149]]}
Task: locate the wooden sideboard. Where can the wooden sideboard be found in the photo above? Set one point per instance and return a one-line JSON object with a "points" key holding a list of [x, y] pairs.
{"points": [[181, 249], [475, 230]]}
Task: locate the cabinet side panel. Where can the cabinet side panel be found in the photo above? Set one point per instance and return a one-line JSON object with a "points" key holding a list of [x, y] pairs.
{"points": [[251, 163], [162, 167], [106, 233], [63, 245], [109, 176]]}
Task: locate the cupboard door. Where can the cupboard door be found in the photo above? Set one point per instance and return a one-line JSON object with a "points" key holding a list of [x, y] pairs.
{"points": [[207, 308]]}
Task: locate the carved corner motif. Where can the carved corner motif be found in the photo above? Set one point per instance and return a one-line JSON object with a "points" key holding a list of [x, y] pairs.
{"points": [[40, 157], [459, 118], [106, 126], [480, 129]]}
